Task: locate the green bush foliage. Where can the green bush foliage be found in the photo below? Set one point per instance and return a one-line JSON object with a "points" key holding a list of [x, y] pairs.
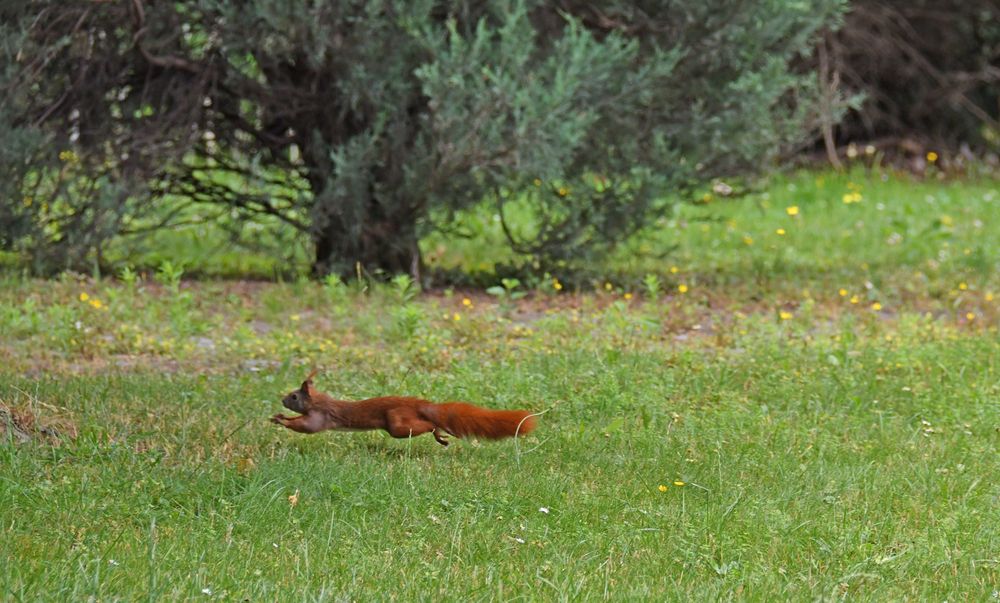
{"points": [[354, 122]]}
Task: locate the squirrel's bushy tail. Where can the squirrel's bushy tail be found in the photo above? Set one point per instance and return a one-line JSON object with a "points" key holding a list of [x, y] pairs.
{"points": [[461, 420]]}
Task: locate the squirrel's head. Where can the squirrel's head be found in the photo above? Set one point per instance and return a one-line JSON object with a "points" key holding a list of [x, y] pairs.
{"points": [[300, 400]]}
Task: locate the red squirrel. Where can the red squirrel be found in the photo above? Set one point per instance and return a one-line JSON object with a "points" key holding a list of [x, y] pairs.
{"points": [[401, 417]]}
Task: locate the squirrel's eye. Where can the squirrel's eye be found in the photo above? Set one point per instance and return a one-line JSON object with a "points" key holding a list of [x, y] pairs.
{"points": [[295, 396]]}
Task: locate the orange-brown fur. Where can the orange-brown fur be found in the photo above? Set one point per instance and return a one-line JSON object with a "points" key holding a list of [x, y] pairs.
{"points": [[400, 416]]}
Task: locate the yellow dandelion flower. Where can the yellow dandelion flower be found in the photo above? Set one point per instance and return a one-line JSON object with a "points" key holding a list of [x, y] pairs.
{"points": [[628, 296], [785, 315], [563, 191], [295, 317], [96, 303], [556, 284], [988, 296], [748, 240], [706, 198], [970, 316], [946, 220], [84, 297], [682, 288], [963, 286], [456, 317], [842, 292], [855, 299], [608, 287], [674, 270], [466, 302], [876, 306], [678, 482], [932, 156], [792, 210], [780, 232], [661, 488]]}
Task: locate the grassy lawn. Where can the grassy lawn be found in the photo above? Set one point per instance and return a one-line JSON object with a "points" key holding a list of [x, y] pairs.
{"points": [[738, 414]]}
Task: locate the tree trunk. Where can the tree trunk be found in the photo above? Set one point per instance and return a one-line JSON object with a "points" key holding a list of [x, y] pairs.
{"points": [[365, 224], [377, 246]]}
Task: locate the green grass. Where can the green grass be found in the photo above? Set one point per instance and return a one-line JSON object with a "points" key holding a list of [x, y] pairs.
{"points": [[871, 476], [830, 446], [900, 229]]}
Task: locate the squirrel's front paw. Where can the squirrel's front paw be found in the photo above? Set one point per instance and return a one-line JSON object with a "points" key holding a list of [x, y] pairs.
{"points": [[279, 419]]}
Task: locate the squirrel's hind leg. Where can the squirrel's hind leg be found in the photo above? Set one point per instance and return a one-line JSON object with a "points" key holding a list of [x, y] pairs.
{"points": [[439, 435], [404, 423]]}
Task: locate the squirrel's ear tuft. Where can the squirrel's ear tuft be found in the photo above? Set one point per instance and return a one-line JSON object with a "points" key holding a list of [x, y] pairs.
{"points": [[307, 385]]}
